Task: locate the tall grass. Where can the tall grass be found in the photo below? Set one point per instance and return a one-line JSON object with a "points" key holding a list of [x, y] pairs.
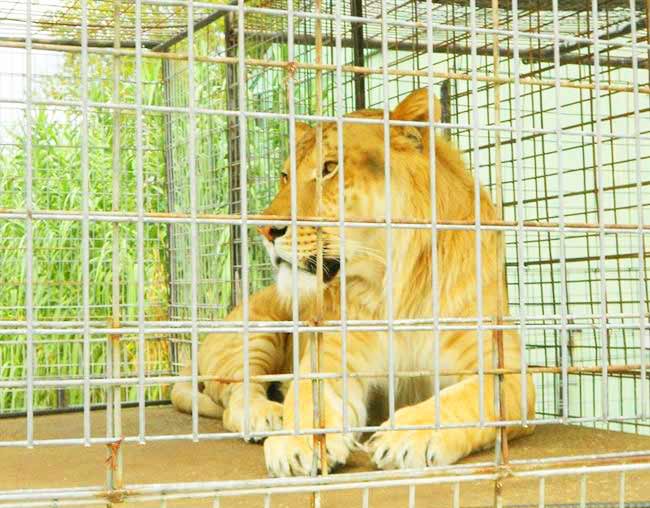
{"points": [[57, 262]]}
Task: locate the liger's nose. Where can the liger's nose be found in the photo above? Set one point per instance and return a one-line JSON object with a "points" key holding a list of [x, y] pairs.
{"points": [[272, 232]]}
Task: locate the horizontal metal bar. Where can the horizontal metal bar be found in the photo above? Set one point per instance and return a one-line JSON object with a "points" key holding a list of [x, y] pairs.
{"points": [[102, 326], [292, 66], [322, 431], [202, 23], [224, 328], [412, 44], [50, 503], [268, 378], [131, 108], [78, 409], [477, 477], [270, 486], [365, 222], [220, 436], [396, 22], [92, 43], [437, 480]]}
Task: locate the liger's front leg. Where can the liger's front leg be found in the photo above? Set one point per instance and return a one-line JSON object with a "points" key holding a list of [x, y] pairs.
{"points": [[293, 455], [221, 356], [459, 403]]}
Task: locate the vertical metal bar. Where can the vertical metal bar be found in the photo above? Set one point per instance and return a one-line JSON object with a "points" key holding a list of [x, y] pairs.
{"points": [[445, 97], [194, 227], [388, 216], [243, 178], [501, 439], [621, 489], [317, 385], [340, 91], [644, 334], [521, 251], [647, 29], [477, 212], [542, 491], [564, 334], [113, 363], [585, 105], [139, 200], [411, 496], [456, 496], [234, 183], [295, 314], [497, 335], [85, 222], [365, 498], [172, 241], [435, 289], [604, 332], [356, 9], [583, 491], [29, 231], [645, 340]]}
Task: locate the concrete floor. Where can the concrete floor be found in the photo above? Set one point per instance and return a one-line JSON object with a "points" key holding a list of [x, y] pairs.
{"points": [[185, 461]]}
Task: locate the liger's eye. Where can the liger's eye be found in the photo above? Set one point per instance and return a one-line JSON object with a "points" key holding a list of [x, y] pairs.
{"points": [[329, 168]]}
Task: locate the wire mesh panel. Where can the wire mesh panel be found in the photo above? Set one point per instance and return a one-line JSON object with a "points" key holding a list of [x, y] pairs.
{"points": [[559, 282], [580, 156], [379, 236], [219, 171], [42, 109]]}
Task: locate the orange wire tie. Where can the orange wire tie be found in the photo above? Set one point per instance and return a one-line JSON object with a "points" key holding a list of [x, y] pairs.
{"points": [[114, 448]]}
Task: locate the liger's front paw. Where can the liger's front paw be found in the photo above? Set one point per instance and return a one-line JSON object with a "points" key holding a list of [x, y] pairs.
{"points": [[264, 416], [407, 449], [293, 455]]}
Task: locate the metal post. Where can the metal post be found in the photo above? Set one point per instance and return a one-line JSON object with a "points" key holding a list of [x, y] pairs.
{"points": [[85, 219], [114, 402], [319, 446], [29, 233], [139, 200], [356, 9], [168, 154], [445, 105], [478, 227], [234, 180]]}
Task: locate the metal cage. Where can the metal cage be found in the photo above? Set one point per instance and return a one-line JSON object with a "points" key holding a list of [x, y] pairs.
{"points": [[140, 143]]}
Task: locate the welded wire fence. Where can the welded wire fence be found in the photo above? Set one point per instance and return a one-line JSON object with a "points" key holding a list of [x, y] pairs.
{"points": [[115, 268]]}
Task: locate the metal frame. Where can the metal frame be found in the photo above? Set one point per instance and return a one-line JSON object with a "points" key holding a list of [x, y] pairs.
{"points": [[239, 218], [233, 156]]}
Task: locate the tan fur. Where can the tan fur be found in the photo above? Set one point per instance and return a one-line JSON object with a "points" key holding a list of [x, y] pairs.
{"points": [[366, 276]]}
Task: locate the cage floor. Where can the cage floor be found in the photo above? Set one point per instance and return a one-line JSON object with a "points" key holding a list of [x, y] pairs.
{"points": [[185, 461]]}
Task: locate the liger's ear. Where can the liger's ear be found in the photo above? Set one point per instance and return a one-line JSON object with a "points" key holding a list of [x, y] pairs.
{"points": [[416, 107]]}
